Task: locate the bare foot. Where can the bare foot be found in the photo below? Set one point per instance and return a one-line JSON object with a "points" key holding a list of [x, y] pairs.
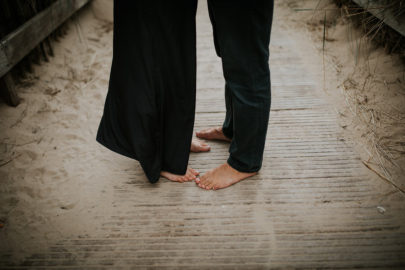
{"points": [[212, 134], [190, 175], [222, 177], [199, 146]]}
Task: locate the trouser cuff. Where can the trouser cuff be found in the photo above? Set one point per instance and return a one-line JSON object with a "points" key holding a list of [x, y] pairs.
{"points": [[240, 167], [227, 134]]}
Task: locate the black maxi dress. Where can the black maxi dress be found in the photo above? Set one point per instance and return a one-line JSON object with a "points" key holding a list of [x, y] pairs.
{"points": [[150, 105]]}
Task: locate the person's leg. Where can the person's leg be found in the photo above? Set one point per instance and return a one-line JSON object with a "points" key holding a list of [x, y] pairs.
{"points": [[225, 132], [150, 105], [227, 126], [243, 33], [177, 81]]}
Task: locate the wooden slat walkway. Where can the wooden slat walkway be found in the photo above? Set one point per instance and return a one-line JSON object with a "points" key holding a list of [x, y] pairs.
{"points": [[313, 205]]}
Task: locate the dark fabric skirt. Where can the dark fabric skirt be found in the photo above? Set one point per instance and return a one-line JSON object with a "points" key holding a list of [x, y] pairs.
{"points": [[150, 105]]}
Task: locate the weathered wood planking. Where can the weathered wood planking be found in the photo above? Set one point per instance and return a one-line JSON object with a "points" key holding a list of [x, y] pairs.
{"points": [[20, 42]]}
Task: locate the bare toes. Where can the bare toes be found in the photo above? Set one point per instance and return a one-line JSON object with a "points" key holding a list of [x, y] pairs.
{"points": [[203, 181], [210, 185], [207, 183], [194, 171], [190, 176]]}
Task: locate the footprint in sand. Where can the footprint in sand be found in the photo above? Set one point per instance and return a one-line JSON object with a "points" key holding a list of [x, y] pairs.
{"points": [[67, 206]]}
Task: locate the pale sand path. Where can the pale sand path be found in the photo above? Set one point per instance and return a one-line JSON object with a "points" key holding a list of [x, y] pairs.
{"points": [[69, 203]]}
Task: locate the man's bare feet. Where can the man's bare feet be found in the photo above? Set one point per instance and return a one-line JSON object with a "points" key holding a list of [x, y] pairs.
{"points": [[215, 133], [222, 177], [199, 146], [190, 175]]}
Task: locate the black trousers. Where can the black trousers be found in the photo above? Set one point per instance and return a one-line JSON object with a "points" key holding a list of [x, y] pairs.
{"points": [[242, 36], [150, 105]]}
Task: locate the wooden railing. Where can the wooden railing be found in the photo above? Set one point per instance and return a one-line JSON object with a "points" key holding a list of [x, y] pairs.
{"points": [[16, 45]]}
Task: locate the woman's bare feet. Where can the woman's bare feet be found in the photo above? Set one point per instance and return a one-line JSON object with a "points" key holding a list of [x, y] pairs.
{"points": [[222, 177], [215, 133], [199, 146], [190, 175]]}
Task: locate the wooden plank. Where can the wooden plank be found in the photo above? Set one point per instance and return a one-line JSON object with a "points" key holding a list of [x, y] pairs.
{"points": [[20, 42], [385, 15]]}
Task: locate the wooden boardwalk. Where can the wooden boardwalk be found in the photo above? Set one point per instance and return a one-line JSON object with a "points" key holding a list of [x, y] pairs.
{"points": [[313, 205]]}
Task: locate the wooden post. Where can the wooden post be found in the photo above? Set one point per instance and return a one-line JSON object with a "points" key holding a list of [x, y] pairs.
{"points": [[19, 43], [7, 90]]}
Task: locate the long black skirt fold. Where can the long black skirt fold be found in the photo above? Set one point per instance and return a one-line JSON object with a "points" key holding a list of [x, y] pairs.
{"points": [[150, 105]]}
